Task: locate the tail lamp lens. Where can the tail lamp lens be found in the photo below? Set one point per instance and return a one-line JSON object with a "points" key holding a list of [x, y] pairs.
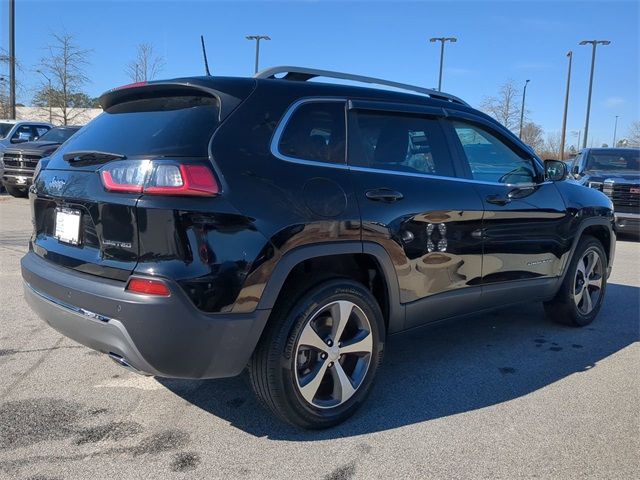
{"points": [[148, 286], [159, 178]]}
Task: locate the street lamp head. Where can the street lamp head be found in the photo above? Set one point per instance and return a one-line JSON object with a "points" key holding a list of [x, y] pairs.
{"points": [[604, 42], [451, 39], [434, 39], [527, 81], [258, 37]]}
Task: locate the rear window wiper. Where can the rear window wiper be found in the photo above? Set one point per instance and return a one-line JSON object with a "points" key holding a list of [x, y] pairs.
{"points": [[92, 156]]}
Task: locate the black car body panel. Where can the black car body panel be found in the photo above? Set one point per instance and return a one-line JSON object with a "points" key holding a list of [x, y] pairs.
{"points": [[432, 244]]}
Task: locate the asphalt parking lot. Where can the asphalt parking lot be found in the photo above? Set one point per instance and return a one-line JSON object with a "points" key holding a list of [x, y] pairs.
{"points": [[499, 395]]}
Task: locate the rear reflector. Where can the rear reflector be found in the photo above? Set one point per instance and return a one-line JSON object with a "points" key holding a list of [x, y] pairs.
{"points": [[159, 178], [148, 287]]}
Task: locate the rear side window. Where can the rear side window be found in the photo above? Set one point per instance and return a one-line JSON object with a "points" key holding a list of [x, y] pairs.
{"points": [[315, 131], [175, 126], [411, 144], [490, 159]]}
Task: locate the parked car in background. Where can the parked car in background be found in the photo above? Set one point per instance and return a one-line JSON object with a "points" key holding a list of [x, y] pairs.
{"points": [[19, 131], [21, 161], [615, 172]]}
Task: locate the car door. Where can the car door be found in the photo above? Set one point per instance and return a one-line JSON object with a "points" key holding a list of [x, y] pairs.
{"points": [[413, 205], [525, 226]]}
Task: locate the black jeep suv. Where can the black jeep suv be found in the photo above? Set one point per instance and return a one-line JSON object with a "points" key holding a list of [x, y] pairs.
{"points": [[203, 225]]}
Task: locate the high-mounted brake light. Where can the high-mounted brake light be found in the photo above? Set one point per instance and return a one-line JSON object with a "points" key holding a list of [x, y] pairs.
{"points": [[131, 85], [148, 286], [159, 178]]}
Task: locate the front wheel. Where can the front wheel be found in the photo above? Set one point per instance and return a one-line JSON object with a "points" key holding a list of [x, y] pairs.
{"points": [[580, 297], [316, 362]]}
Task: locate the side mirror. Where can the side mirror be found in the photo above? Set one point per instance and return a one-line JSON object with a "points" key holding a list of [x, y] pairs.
{"points": [[555, 170]]}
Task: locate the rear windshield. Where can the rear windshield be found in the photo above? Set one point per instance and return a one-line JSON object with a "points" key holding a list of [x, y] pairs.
{"points": [[173, 126], [623, 160]]}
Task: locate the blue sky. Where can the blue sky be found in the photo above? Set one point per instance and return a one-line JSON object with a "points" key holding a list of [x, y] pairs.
{"points": [[497, 41]]}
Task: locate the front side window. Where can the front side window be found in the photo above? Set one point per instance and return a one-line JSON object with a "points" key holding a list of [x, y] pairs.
{"points": [[5, 128], [402, 143], [316, 132], [491, 160], [24, 133]]}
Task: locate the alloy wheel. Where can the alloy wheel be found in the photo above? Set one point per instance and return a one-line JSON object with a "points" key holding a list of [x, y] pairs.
{"points": [[333, 354], [587, 284]]}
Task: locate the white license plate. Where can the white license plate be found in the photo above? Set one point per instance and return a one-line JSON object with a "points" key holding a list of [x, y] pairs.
{"points": [[68, 225]]}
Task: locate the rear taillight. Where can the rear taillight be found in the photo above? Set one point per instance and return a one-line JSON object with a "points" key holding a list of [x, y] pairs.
{"points": [[159, 178], [148, 286]]}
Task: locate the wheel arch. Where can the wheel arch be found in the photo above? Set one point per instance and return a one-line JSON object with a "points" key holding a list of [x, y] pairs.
{"points": [[601, 229], [336, 257]]}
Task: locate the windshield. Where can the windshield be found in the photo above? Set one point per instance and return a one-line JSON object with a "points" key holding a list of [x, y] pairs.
{"points": [[158, 126], [618, 160], [5, 128], [58, 135]]}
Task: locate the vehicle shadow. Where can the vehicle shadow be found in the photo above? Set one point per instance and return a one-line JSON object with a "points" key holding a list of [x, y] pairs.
{"points": [[446, 369]]}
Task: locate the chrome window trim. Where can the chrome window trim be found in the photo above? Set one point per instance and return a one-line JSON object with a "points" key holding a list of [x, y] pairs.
{"points": [[275, 141], [284, 121]]}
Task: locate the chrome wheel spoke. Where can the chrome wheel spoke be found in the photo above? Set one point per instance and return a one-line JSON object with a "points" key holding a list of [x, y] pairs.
{"points": [[578, 297], [311, 382], [588, 304], [596, 282], [342, 386], [361, 344], [591, 259], [340, 314], [310, 338]]}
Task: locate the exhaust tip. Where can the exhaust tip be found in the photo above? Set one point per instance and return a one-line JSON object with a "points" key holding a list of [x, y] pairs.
{"points": [[120, 360]]}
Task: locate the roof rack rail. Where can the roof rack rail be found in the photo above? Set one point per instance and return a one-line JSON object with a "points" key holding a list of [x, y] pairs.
{"points": [[303, 74]]}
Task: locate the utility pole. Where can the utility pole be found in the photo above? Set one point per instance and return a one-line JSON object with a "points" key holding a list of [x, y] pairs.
{"points": [[49, 96], [593, 44], [257, 38], [12, 58], [442, 41], [524, 95], [615, 130], [566, 107]]}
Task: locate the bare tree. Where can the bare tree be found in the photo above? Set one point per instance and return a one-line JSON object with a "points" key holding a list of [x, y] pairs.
{"points": [[633, 135], [65, 66], [552, 146], [146, 65], [505, 107], [532, 136]]}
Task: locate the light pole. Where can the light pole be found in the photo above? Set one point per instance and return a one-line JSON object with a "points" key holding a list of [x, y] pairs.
{"points": [[566, 107], [12, 58], [442, 41], [593, 44], [257, 38], [615, 130], [524, 95], [49, 94]]}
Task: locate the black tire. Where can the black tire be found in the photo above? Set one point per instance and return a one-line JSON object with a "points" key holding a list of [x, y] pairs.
{"points": [[275, 366], [17, 191], [563, 308]]}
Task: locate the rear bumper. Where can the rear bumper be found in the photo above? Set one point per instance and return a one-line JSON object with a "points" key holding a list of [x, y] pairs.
{"points": [[162, 336]]}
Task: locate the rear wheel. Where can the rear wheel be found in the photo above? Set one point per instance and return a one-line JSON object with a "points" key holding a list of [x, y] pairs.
{"points": [[315, 365], [16, 191], [580, 297]]}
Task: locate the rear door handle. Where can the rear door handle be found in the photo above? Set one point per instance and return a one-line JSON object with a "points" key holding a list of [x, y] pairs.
{"points": [[384, 195], [498, 200]]}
